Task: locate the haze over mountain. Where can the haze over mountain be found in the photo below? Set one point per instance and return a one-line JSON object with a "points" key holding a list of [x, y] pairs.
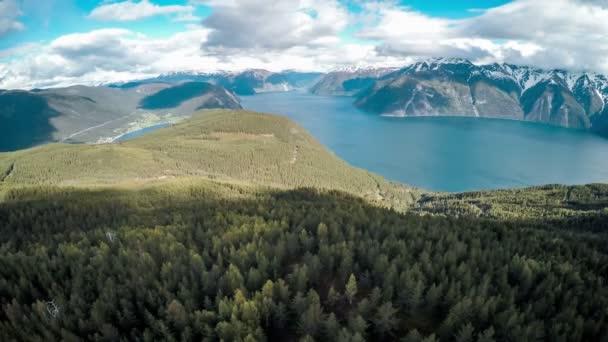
{"points": [[348, 81], [246, 82], [99, 114]]}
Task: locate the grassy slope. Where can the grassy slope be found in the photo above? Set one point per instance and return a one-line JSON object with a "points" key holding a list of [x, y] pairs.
{"points": [[232, 146]]}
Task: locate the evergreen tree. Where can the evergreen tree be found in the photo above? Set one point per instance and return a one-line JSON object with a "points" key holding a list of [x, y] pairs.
{"points": [[351, 288], [385, 320]]}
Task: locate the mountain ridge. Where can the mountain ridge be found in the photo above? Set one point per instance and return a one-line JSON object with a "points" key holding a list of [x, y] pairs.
{"points": [[459, 87]]}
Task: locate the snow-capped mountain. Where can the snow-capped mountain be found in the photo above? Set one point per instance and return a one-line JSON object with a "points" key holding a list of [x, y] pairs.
{"points": [[443, 86]]}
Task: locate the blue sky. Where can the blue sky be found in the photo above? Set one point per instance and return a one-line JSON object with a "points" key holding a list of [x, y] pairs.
{"points": [[45, 20], [61, 42]]}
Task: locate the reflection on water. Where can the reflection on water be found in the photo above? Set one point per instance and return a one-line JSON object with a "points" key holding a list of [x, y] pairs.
{"points": [[445, 153]]}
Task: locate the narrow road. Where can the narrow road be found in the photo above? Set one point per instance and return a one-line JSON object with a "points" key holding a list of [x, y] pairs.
{"points": [[96, 126]]}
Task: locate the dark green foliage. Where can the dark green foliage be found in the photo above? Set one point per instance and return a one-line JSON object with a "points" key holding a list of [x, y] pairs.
{"points": [[207, 261]]}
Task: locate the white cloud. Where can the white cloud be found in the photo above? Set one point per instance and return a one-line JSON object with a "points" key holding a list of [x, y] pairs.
{"points": [[9, 17], [305, 35], [102, 56], [275, 24], [112, 55], [130, 11], [571, 34]]}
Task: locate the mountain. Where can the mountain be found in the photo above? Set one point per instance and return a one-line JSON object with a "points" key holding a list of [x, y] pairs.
{"points": [[92, 114], [458, 87], [348, 81], [246, 82], [231, 146]]}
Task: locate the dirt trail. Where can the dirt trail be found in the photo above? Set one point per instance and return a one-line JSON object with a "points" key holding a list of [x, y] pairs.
{"points": [[294, 158], [7, 173]]}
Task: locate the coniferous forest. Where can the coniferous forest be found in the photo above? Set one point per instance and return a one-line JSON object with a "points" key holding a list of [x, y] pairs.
{"points": [[205, 262]]}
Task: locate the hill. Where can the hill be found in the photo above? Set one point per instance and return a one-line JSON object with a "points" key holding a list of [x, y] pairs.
{"points": [[231, 146], [93, 114]]}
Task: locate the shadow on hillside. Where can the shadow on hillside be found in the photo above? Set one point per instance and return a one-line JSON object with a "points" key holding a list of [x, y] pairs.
{"points": [[25, 120], [174, 96], [33, 214]]}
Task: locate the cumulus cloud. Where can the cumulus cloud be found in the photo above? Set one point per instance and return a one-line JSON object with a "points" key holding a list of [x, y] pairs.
{"points": [[275, 24], [130, 11], [111, 55], [9, 17], [102, 56], [571, 34]]}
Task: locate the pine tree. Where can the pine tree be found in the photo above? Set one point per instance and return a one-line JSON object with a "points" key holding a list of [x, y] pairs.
{"points": [[412, 336], [333, 296], [385, 319], [486, 335], [351, 288], [331, 327], [357, 325], [465, 334]]}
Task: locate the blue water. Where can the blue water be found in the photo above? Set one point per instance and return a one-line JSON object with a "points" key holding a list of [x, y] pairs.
{"points": [[445, 153], [139, 132]]}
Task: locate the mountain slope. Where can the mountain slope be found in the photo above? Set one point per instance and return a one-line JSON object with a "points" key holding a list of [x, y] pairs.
{"points": [[90, 114], [348, 82], [232, 146], [458, 87]]}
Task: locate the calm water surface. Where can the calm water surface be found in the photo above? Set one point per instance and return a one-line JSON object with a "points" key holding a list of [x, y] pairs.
{"points": [[444, 153], [139, 132]]}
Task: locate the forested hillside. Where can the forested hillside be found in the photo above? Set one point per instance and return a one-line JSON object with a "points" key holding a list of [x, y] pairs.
{"points": [[210, 261], [231, 146]]}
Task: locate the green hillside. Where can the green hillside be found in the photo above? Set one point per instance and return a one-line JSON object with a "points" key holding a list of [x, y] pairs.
{"points": [[580, 205], [232, 146]]}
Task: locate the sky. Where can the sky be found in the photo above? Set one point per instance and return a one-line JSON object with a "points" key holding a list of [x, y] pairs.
{"points": [[50, 43]]}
